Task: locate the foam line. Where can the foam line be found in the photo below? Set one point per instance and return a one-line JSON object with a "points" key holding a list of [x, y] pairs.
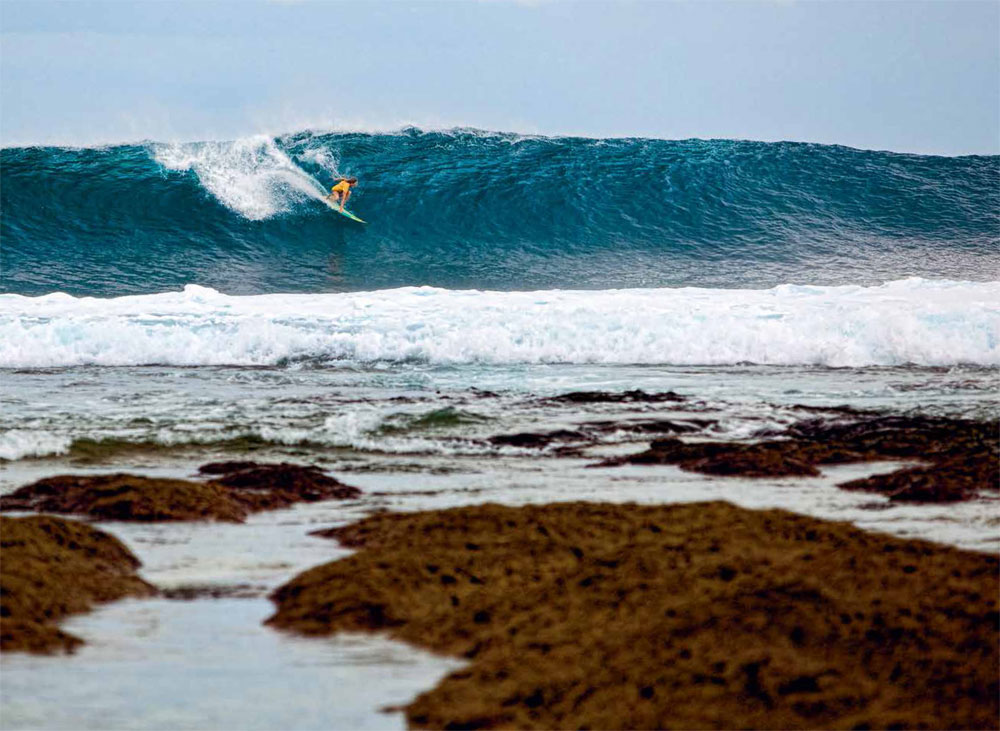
{"points": [[912, 321]]}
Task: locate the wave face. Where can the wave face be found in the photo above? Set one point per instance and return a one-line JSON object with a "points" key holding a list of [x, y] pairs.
{"points": [[914, 321], [469, 209]]}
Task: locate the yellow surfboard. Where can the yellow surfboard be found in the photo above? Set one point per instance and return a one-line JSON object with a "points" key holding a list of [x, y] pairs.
{"points": [[342, 212]]}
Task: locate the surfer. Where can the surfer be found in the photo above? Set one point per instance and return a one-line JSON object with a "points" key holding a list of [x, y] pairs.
{"points": [[342, 191]]}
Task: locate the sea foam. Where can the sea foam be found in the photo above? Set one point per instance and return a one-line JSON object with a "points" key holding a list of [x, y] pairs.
{"points": [[911, 321], [251, 176], [21, 443]]}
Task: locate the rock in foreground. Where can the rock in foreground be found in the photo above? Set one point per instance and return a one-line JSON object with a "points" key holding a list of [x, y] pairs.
{"points": [[693, 616], [53, 567], [241, 488]]}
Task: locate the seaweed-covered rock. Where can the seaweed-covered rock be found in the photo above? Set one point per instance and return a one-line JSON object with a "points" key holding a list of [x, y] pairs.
{"points": [[902, 437], [943, 482], [537, 439], [270, 486], [222, 468], [766, 459], [703, 615], [52, 567], [964, 454], [240, 489], [592, 432], [127, 497], [614, 397]]}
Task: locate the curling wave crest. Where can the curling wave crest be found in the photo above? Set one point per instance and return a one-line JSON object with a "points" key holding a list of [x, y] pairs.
{"points": [[911, 321]]}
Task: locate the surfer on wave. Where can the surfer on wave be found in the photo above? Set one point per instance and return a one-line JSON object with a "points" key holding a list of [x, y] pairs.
{"points": [[342, 191]]}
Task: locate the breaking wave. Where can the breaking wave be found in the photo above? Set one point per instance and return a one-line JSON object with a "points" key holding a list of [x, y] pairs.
{"points": [[470, 209], [912, 321]]}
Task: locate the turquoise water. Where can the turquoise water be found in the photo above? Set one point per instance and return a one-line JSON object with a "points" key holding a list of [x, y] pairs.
{"points": [[471, 209]]}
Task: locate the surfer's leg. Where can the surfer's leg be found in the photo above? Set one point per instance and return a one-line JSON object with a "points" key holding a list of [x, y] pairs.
{"points": [[343, 199]]}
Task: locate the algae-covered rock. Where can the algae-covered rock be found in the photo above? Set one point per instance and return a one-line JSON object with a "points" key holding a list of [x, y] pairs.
{"points": [[270, 486], [687, 616], [964, 455], [50, 567], [611, 397], [242, 488], [950, 480], [767, 459], [127, 497]]}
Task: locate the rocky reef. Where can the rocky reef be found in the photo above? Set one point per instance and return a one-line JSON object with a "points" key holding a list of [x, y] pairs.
{"points": [[583, 615], [962, 456], [236, 490], [53, 567]]}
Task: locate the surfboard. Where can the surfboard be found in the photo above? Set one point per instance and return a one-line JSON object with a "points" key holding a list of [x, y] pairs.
{"points": [[345, 212]]}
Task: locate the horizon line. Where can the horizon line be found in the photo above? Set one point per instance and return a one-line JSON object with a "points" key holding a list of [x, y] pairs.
{"points": [[405, 127]]}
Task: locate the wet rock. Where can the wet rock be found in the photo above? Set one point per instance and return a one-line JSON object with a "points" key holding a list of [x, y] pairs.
{"points": [[190, 592], [902, 437], [690, 616], [964, 454], [222, 468], [663, 426], [269, 486], [948, 481], [127, 497], [610, 397], [53, 567], [536, 440], [592, 432], [483, 393], [242, 488], [768, 459]]}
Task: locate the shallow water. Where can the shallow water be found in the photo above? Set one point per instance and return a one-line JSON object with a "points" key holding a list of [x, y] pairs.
{"points": [[435, 409], [210, 662], [170, 663], [161, 664], [412, 438]]}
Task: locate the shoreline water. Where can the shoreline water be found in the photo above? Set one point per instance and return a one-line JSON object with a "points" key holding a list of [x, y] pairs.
{"points": [[133, 640], [412, 438]]}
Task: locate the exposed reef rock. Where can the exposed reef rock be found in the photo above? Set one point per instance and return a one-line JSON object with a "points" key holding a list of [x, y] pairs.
{"points": [[944, 482], [537, 439], [222, 468], [964, 455], [688, 616], [270, 486], [126, 497], [242, 488], [592, 432], [609, 397], [191, 592], [768, 459], [53, 567]]}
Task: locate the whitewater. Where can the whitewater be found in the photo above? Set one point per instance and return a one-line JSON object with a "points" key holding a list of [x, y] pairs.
{"points": [[913, 321]]}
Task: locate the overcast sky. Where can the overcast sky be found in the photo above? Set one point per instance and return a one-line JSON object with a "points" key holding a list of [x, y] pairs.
{"points": [[889, 74]]}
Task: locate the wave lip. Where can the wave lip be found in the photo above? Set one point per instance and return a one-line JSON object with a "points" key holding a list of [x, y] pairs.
{"points": [[911, 321]]}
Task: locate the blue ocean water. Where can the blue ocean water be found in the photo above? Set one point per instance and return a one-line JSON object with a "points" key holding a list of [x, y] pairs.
{"points": [[469, 209]]}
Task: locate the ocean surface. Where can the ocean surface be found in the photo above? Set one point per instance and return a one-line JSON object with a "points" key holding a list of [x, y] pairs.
{"points": [[466, 209], [165, 304]]}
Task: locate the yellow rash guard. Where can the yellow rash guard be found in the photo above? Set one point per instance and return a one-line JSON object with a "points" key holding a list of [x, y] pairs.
{"points": [[342, 187]]}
